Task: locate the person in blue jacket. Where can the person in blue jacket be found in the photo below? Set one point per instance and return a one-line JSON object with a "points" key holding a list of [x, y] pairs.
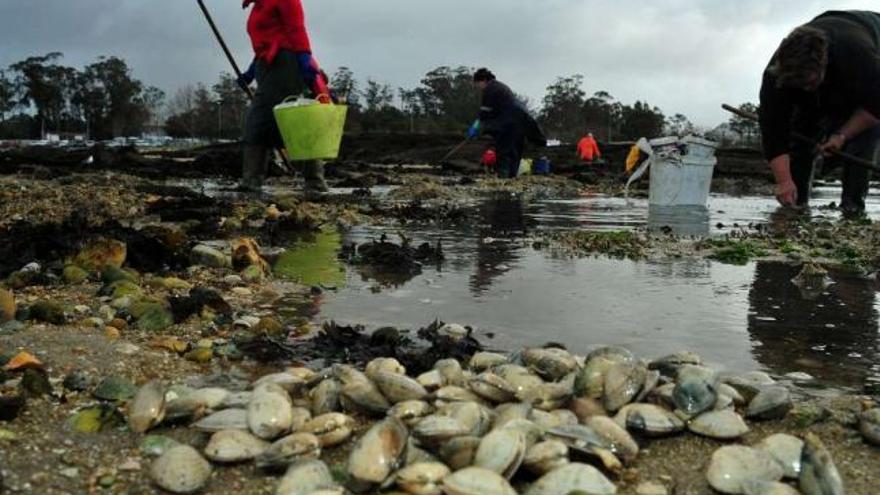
{"points": [[506, 119]]}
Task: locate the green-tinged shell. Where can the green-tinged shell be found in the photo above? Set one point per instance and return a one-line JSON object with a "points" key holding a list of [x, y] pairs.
{"points": [[819, 475], [115, 388]]}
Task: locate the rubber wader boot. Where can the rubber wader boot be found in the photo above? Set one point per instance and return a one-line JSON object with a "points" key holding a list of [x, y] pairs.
{"points": [[313, 173], [254, 167]]}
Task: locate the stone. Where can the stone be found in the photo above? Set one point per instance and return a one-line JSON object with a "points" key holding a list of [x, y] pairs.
{"points": [[174, 283], [115, 388], [125, 288], [651, 488], [253, 274], [200, 355], [232, 280], [210, 257], [48, 312], [118, 323], [73, 274], [100, 253], [112, 274], [7, 305], [246, 253], [154, 318]]}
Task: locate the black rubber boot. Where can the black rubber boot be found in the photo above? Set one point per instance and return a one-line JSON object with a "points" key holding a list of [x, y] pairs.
{"points": [[313, 173], [254, 168]]}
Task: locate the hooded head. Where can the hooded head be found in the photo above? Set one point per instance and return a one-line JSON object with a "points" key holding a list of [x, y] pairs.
{"points": [[801, 59], [482, 77]]}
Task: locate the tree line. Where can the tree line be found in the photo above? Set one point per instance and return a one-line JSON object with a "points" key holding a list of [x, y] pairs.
{"points": [[40, 94], [103, 99]]}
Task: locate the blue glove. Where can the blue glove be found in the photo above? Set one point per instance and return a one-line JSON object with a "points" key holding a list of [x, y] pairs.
{"points": [[245, 80], [308, 67], [474, 130]]}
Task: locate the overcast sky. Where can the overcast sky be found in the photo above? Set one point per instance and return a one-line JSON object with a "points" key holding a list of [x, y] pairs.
{"points": [[684, 56]]}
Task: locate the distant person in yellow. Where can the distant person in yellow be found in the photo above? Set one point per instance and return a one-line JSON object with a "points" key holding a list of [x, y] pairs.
{"points": [[588, 149]]}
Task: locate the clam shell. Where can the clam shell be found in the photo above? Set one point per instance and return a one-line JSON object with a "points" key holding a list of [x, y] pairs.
{"points": [[269, 415], [721, 425], [770, 403], [398, 388], [377, 454], [435, 429], [431, 380], [227, 419], [669, 365], [476, 481], [306, 478], [289, 450], [649, 420], [424, 478], [234, 446], [452, 393], [211, 398], [617, 439], [768, 488], [181, 469], [572, 477], [237, 400], [459, 452], [331, 428], [505, 413], [546, 456], [147, 409], [531, 432], [786, 450], [696, 390], [451, 371], [483, 361], [290, 382], [389, 365], [363, 397], [410, 411], [475, 418], [551, 363], [501, 451], [492, 387], [819, 475], [734, 465], [325, 397], [623, 382]]}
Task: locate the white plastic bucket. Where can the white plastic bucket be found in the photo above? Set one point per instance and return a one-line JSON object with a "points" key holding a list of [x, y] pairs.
{"points": [[683, 180]]}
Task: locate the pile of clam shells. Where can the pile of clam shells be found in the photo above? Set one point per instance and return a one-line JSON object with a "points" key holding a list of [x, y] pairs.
{"points": [[542, 420]]}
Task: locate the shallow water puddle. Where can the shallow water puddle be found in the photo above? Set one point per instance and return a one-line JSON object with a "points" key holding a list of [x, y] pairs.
{"points": [[737, 318]]}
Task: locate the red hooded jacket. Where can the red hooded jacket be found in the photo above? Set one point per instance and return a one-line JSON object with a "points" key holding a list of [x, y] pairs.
{"points": [[277, 24]]}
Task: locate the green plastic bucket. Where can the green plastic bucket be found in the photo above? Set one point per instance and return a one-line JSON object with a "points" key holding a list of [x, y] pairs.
{"points": [[311, 131]]}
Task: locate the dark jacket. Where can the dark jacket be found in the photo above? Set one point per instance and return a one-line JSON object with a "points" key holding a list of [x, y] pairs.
{"points": [[501, 113], [852, 81]]}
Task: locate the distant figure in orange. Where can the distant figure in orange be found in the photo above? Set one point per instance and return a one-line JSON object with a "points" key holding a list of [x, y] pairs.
{"points": [[588, 149]]}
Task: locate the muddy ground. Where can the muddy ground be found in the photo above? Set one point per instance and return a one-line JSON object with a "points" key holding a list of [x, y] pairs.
{"points": [[51, 210]]}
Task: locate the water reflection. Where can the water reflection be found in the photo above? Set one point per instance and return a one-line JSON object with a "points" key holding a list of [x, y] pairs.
{"points": [[502, 222], [832, 333], [692, 221]]}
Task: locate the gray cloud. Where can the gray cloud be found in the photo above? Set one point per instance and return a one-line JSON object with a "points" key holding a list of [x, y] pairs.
{"points": [[684, 56]]}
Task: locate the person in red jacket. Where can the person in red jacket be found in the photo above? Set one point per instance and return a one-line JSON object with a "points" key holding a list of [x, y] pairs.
{"points": [[588, 149], [283, 66], [489, 159]]}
